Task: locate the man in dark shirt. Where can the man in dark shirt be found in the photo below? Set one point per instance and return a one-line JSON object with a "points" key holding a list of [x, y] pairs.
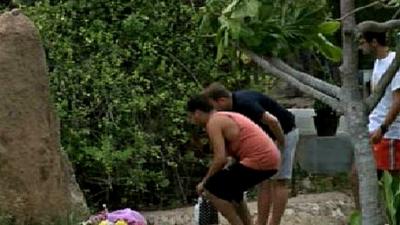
{"points": [[279, 124]]}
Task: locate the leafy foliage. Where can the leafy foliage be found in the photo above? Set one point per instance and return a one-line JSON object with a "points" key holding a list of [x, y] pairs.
{"points": [[271, 27], [355, 218], [390, 187], [120, 72], [390, 191]]}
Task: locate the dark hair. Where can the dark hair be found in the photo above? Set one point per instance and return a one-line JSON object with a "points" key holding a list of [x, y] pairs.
{"points": [[380, 37], [216, 90], [199, 102]]}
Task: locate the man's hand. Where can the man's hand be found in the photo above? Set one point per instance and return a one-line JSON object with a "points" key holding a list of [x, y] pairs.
{"points": [[376, 136], [200, 188], [273, 123], [280, 144]]}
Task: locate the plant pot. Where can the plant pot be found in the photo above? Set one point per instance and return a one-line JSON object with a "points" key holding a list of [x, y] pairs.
{"points": [[326, 124]]}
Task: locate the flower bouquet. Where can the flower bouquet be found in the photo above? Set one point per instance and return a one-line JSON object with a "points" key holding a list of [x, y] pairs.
{"points": [[119, 217]]}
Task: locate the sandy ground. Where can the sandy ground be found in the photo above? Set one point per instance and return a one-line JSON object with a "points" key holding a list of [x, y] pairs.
{"points": [[332, 208]]}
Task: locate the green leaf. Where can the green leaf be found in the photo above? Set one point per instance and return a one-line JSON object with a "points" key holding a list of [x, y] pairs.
{"points": [[328, 49], [393, 3], [389, 197], [164, 183], [220, 50], [223, 21], [244, 58], [355, 218], [205, 24], [240, 12], [247, 9], [329, 27], [249, 37], [235, 27], [230, 7], [265, 12], [253, 7], [226, 39]]}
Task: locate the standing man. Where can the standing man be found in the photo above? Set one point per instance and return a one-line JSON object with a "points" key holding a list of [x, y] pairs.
{"points": [[257, 158], [279, 124], [384, 120]]}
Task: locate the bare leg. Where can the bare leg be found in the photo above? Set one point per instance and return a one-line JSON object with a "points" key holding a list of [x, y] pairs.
{"points": [[264, 201], [280, 194], [243, 212], [225, 208]]}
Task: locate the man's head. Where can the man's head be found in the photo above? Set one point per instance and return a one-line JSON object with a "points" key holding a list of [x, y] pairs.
{"points": [[199, 109], [370, 42], [218, 96]]}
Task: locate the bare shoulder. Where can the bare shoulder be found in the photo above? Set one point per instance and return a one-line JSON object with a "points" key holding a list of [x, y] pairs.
{"points": [[220, 118], [218, 121]]}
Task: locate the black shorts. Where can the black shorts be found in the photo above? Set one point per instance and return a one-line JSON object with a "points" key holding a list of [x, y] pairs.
{"points": [[230, 183]]}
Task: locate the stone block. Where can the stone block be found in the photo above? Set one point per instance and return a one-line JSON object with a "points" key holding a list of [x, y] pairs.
{"points": [[325, 155]]}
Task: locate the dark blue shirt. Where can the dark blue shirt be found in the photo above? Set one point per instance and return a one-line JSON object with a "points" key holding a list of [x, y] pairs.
{"points": [[254, 104]]}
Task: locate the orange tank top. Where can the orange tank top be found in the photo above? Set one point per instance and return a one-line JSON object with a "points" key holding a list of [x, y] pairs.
{"points": [[253, 148]]}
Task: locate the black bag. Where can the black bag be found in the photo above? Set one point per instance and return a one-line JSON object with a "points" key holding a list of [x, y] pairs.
{"points": [[205, 213]]}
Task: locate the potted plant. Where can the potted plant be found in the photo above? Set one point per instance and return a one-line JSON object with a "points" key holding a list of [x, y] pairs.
{"points": [[326, 119]]}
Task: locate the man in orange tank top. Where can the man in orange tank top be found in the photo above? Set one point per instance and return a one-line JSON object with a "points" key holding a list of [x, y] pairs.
{"points": [[256, 158]]}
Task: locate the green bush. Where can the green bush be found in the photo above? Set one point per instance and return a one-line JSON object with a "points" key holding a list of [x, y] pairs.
{"points": [[120, 73], [390, 192]]}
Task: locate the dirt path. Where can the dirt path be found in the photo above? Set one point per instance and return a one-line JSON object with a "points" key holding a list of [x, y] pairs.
{"points": [[332, 208]]}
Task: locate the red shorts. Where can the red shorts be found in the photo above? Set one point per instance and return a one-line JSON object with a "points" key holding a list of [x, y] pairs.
{"points": [[387, 154]]}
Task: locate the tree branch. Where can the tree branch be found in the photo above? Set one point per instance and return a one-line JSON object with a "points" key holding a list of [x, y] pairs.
{"points": [[269, 68], [390, 6], [193, 7], [359, 9], [396, 14], [185, 68], [373, 26], [320, 85], [387, 77]]}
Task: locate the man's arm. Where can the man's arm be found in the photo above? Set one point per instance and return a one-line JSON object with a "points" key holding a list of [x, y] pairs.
{"points": [[394, 109], [255, 110], [390, 117], [215, 133], [273, 123]]}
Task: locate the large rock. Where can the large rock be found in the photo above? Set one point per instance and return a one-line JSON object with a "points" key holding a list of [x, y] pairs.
{"points": [[36, 178]]}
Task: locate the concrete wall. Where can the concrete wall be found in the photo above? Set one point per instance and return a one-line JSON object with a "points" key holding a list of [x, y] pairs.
{"points": [[322, 155]]}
